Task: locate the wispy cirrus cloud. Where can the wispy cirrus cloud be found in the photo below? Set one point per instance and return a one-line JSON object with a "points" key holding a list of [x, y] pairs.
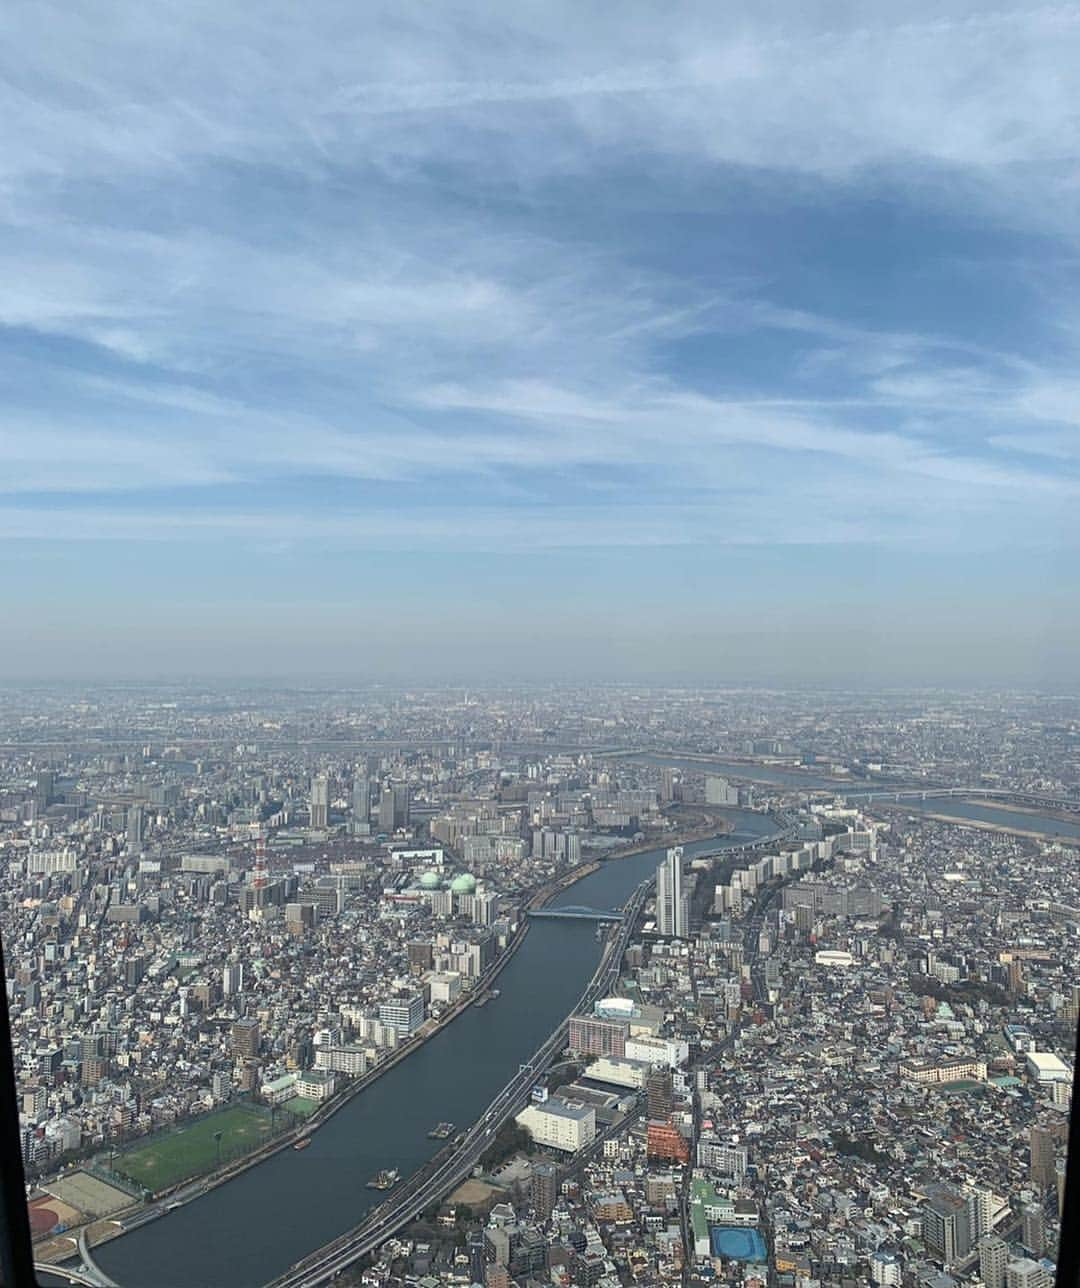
{"points": [[955, 83], [458, 279]]}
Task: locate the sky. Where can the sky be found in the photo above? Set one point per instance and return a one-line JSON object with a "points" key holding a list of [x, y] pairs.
{"points": [[696, 341]]}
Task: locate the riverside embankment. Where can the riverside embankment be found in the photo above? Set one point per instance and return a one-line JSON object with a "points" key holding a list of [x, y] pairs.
{"points": [[246, 1232]]}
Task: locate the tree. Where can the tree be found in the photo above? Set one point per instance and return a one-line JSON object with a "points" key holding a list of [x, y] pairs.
{"points": [[511, 1138]]}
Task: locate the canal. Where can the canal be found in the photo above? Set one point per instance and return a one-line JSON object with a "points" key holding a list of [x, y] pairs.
{"points": [[248, 1231]]}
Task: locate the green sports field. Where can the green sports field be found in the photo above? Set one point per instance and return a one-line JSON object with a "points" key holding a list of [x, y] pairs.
{"points": [[167, 1159], [299, 1107]]}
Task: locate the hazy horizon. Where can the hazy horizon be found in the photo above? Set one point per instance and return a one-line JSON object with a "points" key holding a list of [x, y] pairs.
{"points": [[661, 342]]}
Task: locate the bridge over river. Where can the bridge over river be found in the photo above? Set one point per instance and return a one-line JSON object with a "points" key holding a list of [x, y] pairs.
{"points": [[576, 911]]}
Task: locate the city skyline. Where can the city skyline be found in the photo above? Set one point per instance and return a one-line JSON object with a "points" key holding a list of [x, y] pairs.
{"points": [[660, 986], [405, 343]]}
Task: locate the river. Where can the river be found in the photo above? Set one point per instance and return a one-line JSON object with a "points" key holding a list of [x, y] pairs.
{"points": [[248, 1231], [773, 775], [962, 811]]}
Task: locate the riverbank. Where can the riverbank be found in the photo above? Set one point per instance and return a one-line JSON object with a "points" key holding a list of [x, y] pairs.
{"points": [[187, 1191], [241, 1235], [1041, 811], [718, 828], [984, 825]]}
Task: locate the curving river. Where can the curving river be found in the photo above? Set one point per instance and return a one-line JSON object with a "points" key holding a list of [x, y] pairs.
{"points": [[246, 1232]]}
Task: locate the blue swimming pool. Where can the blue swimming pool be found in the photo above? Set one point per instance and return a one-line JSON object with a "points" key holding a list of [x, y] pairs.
{"points": [[737, 1245]]}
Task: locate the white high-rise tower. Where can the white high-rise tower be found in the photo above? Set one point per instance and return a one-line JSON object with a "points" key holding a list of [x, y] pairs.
{"points": [[672, 905], [320, 801]]}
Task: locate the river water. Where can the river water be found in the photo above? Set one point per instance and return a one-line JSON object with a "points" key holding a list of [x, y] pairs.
{"points": [[774, 775], [248, 1231], [961, 811]]}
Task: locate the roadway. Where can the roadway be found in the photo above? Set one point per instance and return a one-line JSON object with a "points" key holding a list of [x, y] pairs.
{"points": [[575, 911], [431, 1184], [584, 1157], [66, 1272], [87, 1272], [867, 795]]}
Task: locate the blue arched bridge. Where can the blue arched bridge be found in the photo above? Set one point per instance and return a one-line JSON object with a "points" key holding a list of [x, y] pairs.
{"points": [[577, 911]]}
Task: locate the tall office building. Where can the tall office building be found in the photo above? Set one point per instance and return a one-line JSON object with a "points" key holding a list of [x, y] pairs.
{"points": [[543, 1190], [320, 801], [401, 804], [981, 1212], [404, 1012], [43, 792], [386, 809], [658, 1094], [668, 785], [1033, 1229], [993, 1257], [244, 1038], [361, 804], [718, 791], [134, 826], [394, 807], [1042, 1156], [594, 1036], [946, 1227], [672, 904], [232, 979]]}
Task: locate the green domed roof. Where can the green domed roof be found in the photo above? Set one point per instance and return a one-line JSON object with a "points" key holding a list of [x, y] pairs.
{"points": [[430, 881], [463, 883]]}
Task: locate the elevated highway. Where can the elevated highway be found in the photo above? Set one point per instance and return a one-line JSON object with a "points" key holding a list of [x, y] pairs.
{"points": [[71, 1275], [87, 1272], [431, 1184]]}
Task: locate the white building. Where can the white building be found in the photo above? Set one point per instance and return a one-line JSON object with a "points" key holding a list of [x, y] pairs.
{"points": [[50, 861], [718, 791], [345, 1058], [670, 1052], [445, 985], [559, 1124], [993, 1259], [64, 1132], [728, 1160], [405, 1013], [280, 1090], [1044, 1066], [834, 957], [316, 1084], [672, 904], [885, 1269], [618, 1072], [320, 801], [1025, 1273]]}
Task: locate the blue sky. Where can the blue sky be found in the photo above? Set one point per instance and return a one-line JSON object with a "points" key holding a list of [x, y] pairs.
{"points": [[720, 341]]}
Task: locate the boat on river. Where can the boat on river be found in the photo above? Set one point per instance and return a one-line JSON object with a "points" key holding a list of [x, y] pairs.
{"points": [[385, 1180], [443, 1131]]}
